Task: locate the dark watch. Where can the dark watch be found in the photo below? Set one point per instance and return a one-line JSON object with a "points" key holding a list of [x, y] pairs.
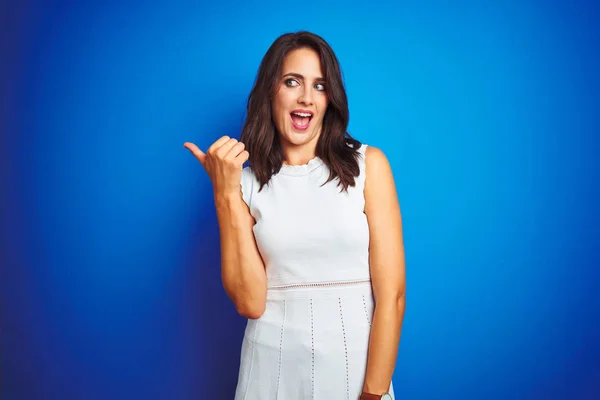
{"points": [[371, 396]]}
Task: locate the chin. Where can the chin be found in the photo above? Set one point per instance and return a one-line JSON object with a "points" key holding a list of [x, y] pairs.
{"points": [[299, 138]]}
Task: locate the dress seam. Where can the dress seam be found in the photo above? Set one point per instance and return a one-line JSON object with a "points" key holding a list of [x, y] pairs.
{"points": [[312, 339], [280, 349], [366, 312], [253, 344], [345, 351]]}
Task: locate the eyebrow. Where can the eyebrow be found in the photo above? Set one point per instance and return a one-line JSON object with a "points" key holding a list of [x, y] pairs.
{"points": [[295, 75]]}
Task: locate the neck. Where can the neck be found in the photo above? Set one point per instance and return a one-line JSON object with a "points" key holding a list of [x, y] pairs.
{"points": [[298, 159], [299, 154]]}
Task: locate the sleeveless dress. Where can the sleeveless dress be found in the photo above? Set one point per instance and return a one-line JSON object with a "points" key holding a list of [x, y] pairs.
{"points": [[312, 340]]}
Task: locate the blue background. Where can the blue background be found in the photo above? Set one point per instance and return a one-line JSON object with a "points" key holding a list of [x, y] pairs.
{"points": [[488, 113]]}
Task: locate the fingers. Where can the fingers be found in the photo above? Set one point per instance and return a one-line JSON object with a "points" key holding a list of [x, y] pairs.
{"points": [[238, 154], [229, 150], [218, 143], [235, 150], [222, 151], [243, 157]]}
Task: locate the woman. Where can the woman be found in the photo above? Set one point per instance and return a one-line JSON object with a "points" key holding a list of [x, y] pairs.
{"points": [[311, 236]]}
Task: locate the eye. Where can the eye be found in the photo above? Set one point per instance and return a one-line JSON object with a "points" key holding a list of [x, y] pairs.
{"points": [[320, 87], [291, 82]]}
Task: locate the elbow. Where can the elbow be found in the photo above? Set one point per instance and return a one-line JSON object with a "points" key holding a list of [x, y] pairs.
{"points": [[401, 297], [401, 300], [251, 311], [249, 304], [392, 300]]}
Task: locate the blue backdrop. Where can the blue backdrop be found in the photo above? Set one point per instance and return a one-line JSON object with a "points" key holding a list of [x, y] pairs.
{"points": [[488, 112]]}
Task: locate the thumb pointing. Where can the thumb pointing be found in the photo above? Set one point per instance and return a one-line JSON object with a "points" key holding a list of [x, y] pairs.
{"points": [[199, 154]]}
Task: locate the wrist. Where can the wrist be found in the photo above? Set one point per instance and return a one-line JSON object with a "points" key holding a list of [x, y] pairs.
{"points": [[224, 198]]}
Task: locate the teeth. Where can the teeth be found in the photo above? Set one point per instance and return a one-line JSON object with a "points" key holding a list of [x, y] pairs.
{"points": [[303, 114]]}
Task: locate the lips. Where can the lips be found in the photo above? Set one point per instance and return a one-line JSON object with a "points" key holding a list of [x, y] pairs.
{"points": [[301, 119]]}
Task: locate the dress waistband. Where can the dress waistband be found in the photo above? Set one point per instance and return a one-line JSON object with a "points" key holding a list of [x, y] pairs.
{"points": [[318, 289]]}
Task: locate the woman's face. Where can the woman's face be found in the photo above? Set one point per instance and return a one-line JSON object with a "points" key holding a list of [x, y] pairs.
{"points": [[300, 102]]}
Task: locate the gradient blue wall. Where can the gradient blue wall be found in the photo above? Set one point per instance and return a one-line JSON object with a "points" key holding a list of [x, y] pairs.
{"points": [[488, 113]]}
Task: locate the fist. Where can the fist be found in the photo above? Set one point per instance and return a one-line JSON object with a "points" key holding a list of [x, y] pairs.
{"points": [[223, 161]]}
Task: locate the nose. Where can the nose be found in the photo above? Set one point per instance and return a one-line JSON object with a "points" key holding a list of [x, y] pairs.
{"points": [[305, 95]]}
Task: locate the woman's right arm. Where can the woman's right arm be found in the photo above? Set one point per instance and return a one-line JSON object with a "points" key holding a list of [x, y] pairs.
{"points": [[242, 269]]}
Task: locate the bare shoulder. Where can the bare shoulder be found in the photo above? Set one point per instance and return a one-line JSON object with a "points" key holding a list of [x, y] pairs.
{"points": [[376, 163], [380, 189]]}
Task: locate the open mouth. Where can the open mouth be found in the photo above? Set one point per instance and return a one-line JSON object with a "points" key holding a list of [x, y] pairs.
{"points": [[301, 119]]}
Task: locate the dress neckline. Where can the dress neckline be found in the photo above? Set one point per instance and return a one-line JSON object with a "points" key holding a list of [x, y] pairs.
{"points": [[303, 169]]}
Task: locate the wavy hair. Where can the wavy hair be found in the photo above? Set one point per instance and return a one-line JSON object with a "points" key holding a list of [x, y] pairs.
{"points": [[259, 133]]}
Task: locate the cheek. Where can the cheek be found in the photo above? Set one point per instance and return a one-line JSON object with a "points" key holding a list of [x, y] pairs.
{"points": [[280, 113], [280, 104], [323, 104], [276, 108]]}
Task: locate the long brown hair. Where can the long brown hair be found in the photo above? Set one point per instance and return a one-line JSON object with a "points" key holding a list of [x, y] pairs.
{"points": [[259, 133]]}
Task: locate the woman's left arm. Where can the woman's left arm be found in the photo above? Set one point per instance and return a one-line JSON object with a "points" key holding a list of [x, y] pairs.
{"points": [[387, 265]]}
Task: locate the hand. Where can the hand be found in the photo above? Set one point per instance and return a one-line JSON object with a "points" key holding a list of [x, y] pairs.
{"points": [[223, 161]]}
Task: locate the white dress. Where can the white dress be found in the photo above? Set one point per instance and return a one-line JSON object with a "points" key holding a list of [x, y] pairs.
{"points": [[312, 340]]}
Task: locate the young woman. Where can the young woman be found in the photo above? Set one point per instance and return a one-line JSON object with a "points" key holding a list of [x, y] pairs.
{"points": [[311, 236]]}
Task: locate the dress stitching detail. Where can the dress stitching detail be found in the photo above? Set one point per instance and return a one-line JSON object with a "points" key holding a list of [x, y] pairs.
{"points": [[312, 339], [366, 312], [317, 284], [281, 348], [253, 344], [345, 351]]}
